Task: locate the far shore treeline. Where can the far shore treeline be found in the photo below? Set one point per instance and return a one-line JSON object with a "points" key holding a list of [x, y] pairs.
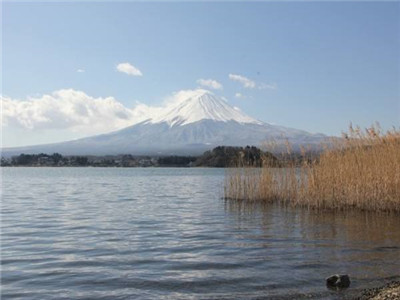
{"points": [[219, 157]]}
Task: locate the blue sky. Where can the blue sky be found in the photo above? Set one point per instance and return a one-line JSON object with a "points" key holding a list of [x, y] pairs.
{"points": [[322, 64]]}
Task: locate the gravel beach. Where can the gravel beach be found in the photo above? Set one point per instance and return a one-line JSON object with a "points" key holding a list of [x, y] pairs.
{"points": [[390, 291]]}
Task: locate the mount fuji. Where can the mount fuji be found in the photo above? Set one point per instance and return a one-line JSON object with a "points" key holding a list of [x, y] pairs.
{"points": [[195, 122]]}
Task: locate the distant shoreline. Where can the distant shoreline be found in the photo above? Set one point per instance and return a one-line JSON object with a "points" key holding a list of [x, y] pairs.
{"points": [[220, 157]]}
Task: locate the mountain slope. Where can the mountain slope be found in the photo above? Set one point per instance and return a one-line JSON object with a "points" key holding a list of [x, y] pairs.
{"points": [[195, 122]]}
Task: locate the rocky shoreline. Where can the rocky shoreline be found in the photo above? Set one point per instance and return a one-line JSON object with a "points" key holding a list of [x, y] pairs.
{"points": [[390, 291]]}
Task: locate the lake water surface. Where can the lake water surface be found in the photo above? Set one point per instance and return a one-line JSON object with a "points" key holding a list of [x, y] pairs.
{"points": [[106, 233]]}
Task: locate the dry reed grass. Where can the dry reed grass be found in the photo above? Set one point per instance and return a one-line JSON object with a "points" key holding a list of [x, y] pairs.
{"points": [[361, 170]]}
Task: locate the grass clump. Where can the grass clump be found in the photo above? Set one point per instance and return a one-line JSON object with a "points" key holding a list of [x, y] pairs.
{"points": [[361, 170]]}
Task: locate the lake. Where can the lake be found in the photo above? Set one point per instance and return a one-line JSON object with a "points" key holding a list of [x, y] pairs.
{"points": [[165, 233]]}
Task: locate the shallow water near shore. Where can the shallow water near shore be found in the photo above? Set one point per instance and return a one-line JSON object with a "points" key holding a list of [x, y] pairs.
{"points": [[164, 233]]}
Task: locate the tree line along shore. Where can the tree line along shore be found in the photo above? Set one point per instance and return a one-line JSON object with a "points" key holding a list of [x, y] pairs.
{"points": [[219, 157]]}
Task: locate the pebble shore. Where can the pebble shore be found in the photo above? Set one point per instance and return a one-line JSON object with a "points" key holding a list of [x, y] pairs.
{"points": [[390, 291]]}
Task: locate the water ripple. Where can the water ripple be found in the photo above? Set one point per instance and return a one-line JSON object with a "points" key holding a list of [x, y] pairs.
{"points": [[92, 233]]}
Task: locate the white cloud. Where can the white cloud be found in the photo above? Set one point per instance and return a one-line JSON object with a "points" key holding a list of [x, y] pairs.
{"points": [[210, 83], [72, 110], [129, 69], [80, 70], [246, 82], [268, 86], [238, 95], [241, 96]]}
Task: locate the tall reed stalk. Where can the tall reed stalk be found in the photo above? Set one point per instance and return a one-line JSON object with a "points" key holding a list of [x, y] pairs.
{"points": [[361, 170]]}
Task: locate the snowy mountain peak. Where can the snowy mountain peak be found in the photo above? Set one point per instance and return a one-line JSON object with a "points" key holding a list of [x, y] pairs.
{"points": [[195, 105]]}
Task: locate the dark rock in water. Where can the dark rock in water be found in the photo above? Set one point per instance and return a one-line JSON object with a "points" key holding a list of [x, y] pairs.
{"points": [[338, 281]]}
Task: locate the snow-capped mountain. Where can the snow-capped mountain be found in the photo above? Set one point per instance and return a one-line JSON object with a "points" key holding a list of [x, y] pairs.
{"points": [[193, 122], [200, 105]]}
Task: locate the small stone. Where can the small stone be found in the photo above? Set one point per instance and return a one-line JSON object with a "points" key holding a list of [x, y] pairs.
{"points": [[338, 281]]}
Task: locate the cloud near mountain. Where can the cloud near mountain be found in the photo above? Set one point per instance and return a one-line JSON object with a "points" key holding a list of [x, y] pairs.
{"points": [[210, 83], [70, 109]]}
